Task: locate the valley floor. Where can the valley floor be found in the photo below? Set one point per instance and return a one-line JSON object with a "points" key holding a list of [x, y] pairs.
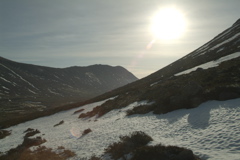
{"points": [[211, 130]]}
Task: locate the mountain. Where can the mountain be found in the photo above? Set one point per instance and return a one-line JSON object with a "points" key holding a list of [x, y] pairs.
{"points": [[192, 105], [210, 72], [27, 88]]}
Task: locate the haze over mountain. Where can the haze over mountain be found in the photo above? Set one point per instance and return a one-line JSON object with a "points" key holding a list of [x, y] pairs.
{"points": [[209, 72], [193, 102], [60, 33], [205, 80], [27, 88]]}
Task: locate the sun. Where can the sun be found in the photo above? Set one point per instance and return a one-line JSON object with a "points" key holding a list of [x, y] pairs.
{"points": [[168, 24]]}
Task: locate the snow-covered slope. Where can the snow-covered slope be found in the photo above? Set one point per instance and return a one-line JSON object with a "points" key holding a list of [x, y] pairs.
{"points": [[211, 130]]}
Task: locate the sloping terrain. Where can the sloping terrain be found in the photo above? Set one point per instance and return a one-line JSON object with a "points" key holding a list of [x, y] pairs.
{"points": [[210, 130], [191, 103], [209, 73], [29, 88]]}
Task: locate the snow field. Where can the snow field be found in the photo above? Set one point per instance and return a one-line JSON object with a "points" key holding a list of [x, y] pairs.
{"points": [[211, 130]]}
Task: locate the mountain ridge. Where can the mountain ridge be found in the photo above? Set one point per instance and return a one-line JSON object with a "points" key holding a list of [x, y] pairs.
{"points": [[192, 103], [39, 88], [168, 90]]}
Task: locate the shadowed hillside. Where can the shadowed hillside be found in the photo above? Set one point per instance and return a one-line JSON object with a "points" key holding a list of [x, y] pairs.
{"points": [[26, 89], [214, 76]]}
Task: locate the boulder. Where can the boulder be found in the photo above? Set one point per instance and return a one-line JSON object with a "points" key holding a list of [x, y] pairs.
{"points": [[185, 155], [228, 95], [191, 89]]}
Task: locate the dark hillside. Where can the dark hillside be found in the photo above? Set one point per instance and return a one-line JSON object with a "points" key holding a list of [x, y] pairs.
{"points": [[27, 89], [170, 91]]}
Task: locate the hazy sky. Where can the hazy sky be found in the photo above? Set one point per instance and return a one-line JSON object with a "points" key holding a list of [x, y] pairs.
{"points": [[63, 33]]}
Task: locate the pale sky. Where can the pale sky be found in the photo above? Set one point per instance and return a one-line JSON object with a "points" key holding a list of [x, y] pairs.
{"points": [[64, 33]]}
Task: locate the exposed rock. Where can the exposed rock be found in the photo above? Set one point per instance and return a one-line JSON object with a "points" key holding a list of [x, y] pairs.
{"points": [[4, 133], [187, 98], [179, 101], [61, 122], [195, 101], [28, 130], [28, 142], [78, 111], [191, 89], [185, 155], [228, 95], [31, 133], [86, 131], [199, 69]]}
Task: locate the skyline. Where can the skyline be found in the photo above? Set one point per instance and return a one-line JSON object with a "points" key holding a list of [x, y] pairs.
{"points": [[81, 33]]}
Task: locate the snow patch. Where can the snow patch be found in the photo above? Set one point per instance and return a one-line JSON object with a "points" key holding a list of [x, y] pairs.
{"points": [[93, 77], [210, 64], [19, 76], [226, 41], [5, 88], [56, 76], [54, 92], [32, 91], [7, 81], [202, 50], [153, 84]]}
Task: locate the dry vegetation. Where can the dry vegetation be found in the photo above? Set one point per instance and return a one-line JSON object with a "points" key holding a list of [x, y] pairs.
{"points": [[4, 133], [23, 151], [176, 92], [134, 147]]}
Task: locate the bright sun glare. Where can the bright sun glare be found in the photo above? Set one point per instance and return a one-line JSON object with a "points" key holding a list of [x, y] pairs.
{"points": [[168, 24]]}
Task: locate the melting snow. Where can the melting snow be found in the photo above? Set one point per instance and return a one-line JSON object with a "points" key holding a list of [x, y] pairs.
{"points": [[210, 130], [211, 63], [226, 41], [54, 92], [154, 83], [5, 88], [6, 80], [32, 91], [225, 33], [19, 76], [56, 76], [202, 49]]}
